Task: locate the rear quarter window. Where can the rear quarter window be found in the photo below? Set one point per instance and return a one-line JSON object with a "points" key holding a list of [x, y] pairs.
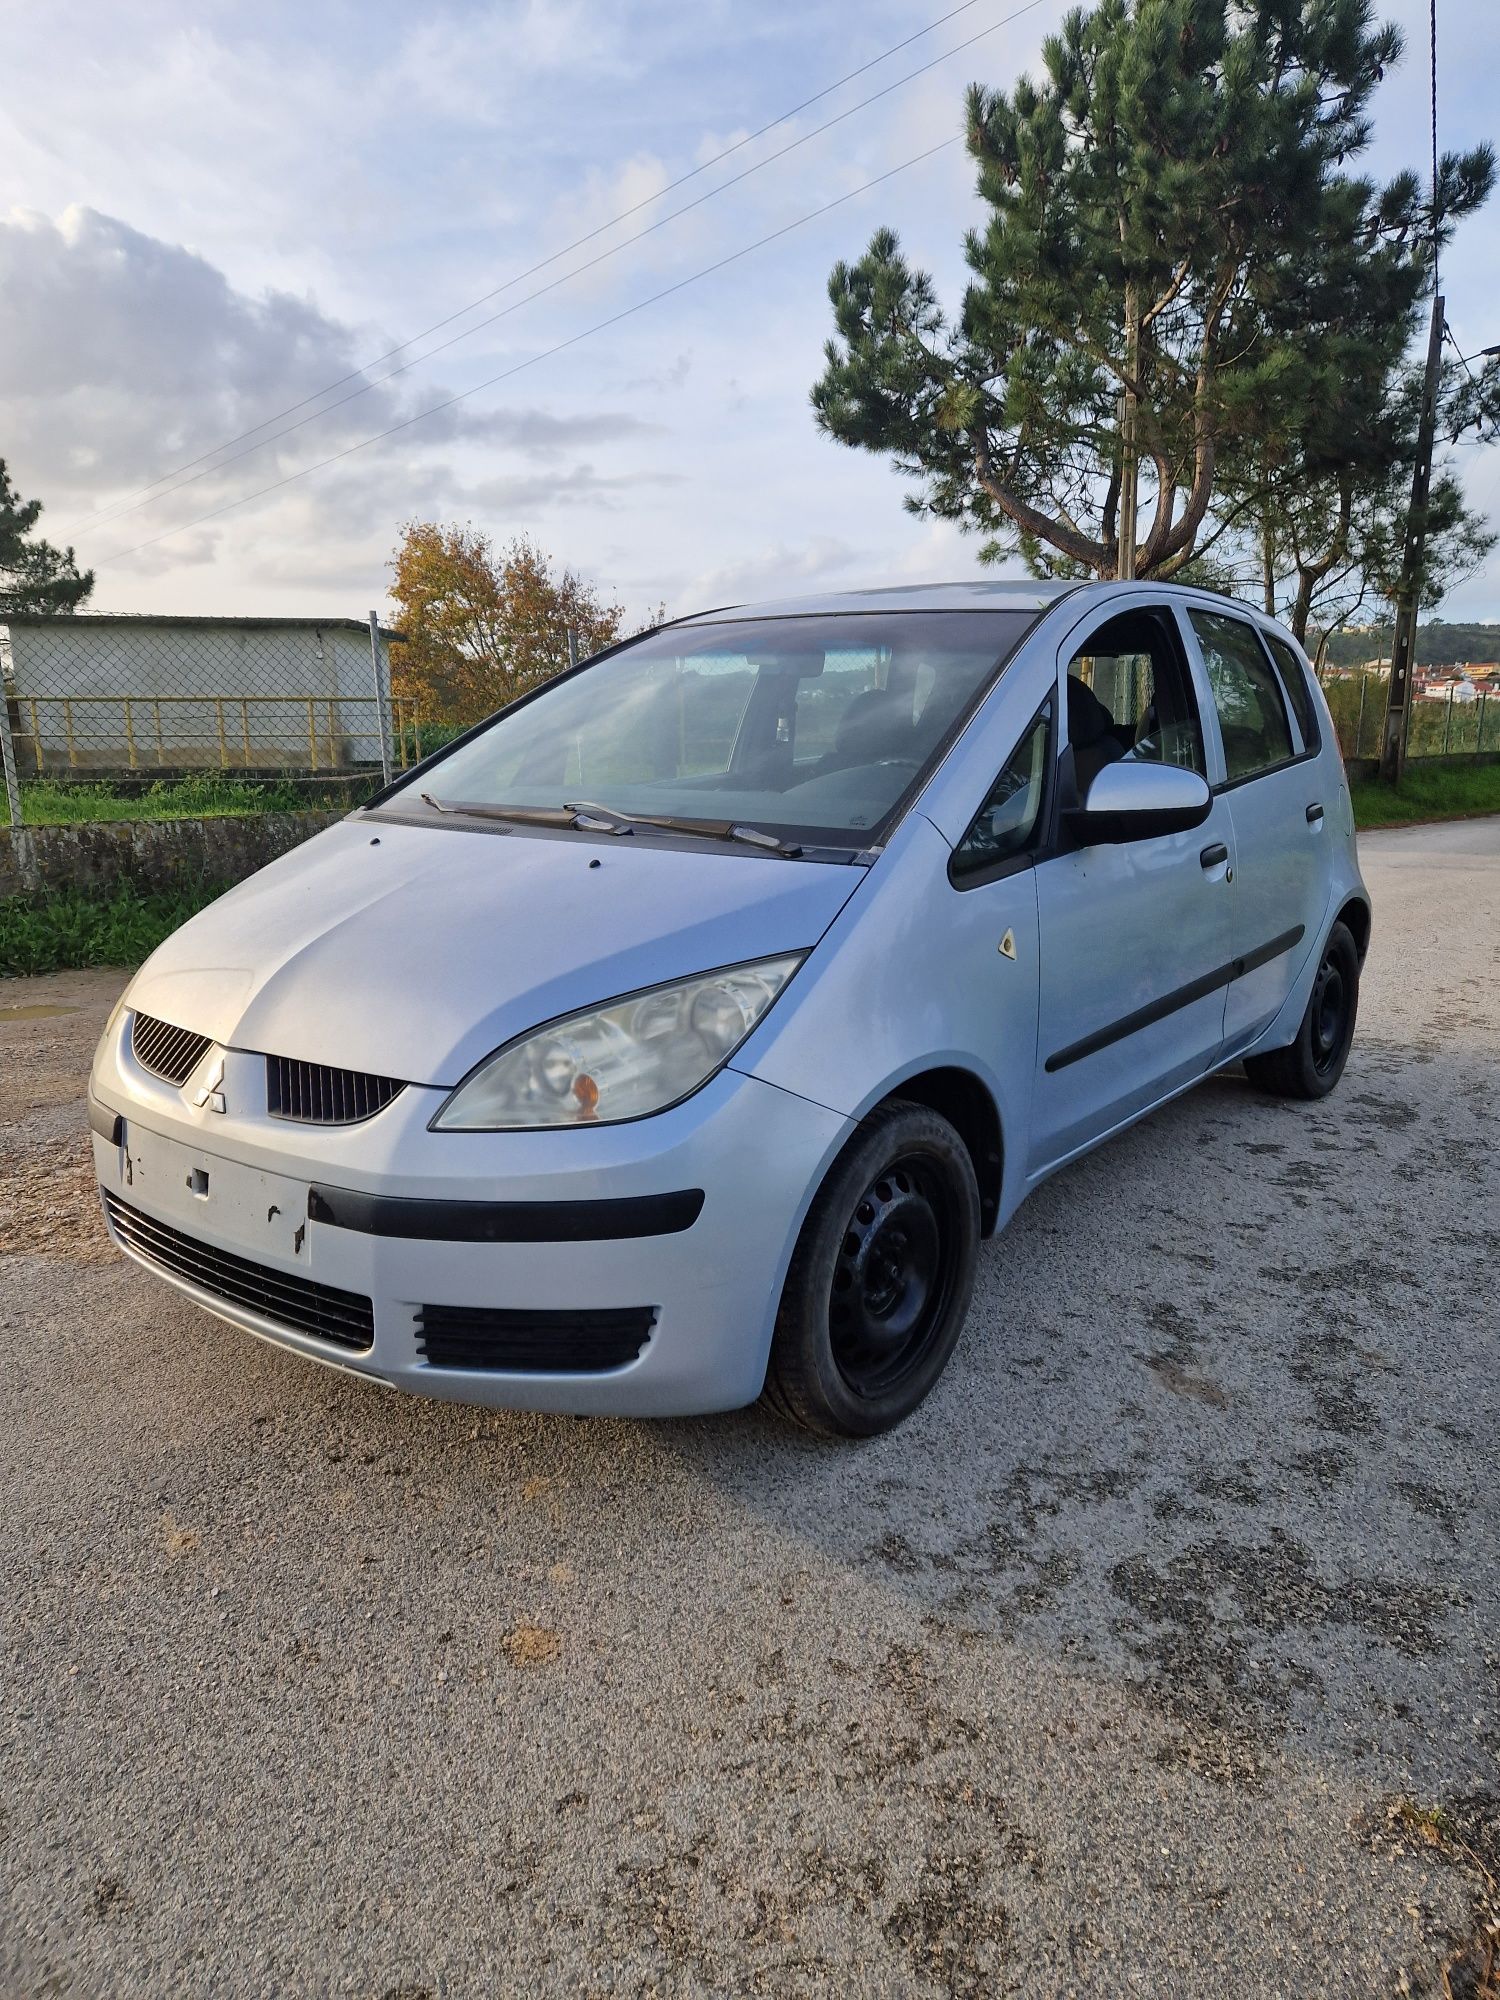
{"points": [[1294, 675]]}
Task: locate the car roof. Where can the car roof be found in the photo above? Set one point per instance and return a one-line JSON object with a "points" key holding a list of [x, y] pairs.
{"points": [[977, 596], [1033, 596]]}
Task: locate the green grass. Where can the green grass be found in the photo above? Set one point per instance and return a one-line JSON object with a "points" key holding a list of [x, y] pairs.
{"points": [[1428, 792], [74, 927], [53, 802]]}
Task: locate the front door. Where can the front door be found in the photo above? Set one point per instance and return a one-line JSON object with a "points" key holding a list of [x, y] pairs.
{"points": [[1134, 937]]}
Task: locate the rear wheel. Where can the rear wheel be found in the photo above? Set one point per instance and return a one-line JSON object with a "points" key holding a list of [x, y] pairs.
{"points": [[881, 1277], [1314, 1062]]}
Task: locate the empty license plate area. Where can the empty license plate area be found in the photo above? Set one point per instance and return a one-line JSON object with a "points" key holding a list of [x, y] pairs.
{"points": [[237, 1207]]}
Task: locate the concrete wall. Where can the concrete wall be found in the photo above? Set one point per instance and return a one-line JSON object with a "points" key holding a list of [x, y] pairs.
{"points": [[150, 854]]}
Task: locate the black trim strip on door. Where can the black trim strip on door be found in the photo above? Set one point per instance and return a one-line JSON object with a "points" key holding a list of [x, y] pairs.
{"points": [[421, 1218], [1171, 1003]]}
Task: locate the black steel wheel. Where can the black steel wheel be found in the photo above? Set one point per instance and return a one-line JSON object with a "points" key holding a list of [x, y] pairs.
{"points": [[1311, 1065], [881, 1277]]}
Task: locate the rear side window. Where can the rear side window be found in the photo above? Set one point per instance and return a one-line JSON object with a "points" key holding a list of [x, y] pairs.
{"points": [[1252, 715], [1299, 693]]}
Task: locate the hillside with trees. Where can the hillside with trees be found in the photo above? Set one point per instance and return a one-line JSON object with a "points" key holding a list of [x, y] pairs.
{"points": [[1439, 644]]}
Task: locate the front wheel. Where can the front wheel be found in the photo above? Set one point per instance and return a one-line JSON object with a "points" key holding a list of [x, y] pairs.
{"points": [[1314, 1062], [881, 1278]]}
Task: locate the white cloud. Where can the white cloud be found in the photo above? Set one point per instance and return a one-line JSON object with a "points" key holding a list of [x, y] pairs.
{"points": [[777, 570]]}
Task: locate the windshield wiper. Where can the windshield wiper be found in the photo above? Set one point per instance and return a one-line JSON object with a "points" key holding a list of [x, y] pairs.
{"points": [[582, 816], [522, 815], [602, 819]]}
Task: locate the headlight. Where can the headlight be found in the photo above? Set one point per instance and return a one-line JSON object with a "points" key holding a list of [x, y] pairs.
{"points": [[625, 1060]]}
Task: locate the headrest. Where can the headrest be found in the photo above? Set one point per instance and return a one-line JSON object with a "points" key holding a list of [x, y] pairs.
{"points": [[872, 723], [1088, 718]]}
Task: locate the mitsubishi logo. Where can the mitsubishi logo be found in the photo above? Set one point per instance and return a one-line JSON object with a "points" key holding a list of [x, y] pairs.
{"points": [[211, 1096]]}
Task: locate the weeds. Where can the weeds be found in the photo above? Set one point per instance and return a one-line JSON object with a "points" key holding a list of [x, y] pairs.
{"points": [[80, 927]]}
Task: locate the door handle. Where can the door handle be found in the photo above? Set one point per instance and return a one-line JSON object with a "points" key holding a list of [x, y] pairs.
{"points": [[1212, 856], [1314, 814]]}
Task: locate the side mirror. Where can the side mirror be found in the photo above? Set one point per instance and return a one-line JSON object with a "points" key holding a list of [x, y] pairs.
{"points": [[1130, 801]]}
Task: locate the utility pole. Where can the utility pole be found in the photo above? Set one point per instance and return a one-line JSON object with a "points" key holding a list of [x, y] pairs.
{"points": [[1404, 640], [1129, 455]]}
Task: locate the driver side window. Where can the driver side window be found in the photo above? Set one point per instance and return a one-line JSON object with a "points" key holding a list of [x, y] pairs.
{"points": [[1130, 697]]}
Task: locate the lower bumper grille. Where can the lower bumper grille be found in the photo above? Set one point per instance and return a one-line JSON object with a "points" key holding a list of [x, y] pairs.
{"points": [[532, 1342], [343, 1318]]}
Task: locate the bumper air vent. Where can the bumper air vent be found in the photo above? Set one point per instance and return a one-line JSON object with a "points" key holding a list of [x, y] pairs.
{"points": [[532, 1342], [344, 1319], [170, 1053], [314, 1094]]}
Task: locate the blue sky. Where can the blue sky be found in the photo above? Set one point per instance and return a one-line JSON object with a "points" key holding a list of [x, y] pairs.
{"points": [[215, 211]]}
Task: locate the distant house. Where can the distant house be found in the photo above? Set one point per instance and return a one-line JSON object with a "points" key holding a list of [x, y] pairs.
{"points": [[127, 692]]}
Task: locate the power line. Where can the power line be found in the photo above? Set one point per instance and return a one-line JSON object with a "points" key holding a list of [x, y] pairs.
{"points": [[520, 277], [150, 499], [505, 375]]}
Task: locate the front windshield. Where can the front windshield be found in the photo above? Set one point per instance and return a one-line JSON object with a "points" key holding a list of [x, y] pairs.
{"points": [[807, 728]]}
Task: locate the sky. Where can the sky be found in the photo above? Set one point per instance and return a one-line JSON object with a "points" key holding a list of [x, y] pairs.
{"points": [[210, 214]]}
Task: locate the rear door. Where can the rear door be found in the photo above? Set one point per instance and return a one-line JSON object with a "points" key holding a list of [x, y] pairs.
{"points": [[1272, 786], [1134, 937]]}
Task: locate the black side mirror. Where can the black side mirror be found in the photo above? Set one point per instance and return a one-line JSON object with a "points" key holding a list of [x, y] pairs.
{"points": [[1131, 801]]}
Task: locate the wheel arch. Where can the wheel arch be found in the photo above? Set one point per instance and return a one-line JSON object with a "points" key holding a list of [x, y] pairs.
{"points": [[965, 1101], [1355, 916]]}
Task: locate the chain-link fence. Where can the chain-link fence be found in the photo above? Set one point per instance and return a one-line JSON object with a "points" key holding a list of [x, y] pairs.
{"points": [[122, 702], [99, 709], [1457, 720]]}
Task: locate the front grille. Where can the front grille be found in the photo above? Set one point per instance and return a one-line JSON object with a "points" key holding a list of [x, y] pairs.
{"points": [[344, 1318], [314, 1094], [532, 1342], [170, 1053]]}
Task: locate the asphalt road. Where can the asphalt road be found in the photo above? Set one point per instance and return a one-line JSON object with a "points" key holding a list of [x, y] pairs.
{"points": [[1159, 1654]]}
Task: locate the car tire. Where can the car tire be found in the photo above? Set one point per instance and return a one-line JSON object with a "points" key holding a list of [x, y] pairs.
{"points": [[1314, 1062], [881, 1278]]}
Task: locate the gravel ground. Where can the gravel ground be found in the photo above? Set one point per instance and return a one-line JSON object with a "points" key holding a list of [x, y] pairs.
{"points": [[1159, 1654]]}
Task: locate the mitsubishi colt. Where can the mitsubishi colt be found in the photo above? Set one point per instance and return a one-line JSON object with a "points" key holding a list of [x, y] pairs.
{"points": [[679, 1034]]}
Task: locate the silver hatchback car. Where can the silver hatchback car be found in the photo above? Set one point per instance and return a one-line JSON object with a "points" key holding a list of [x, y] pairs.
{"points": [[678, 1034]]}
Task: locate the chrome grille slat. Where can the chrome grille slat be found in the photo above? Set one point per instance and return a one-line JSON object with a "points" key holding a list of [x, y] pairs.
{"points": [[344, 1319], [168, 1052], [317, 1094]]}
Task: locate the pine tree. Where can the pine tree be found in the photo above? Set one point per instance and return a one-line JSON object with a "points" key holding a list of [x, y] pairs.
{"points": [[1171, 232], [34, 576]]}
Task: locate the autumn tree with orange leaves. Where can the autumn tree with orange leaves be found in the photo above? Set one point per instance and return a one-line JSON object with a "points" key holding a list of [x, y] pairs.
{"points": [[480, 625]]}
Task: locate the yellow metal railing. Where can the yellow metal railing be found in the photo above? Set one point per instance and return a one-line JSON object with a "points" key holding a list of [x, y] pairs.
{"points": [[86, 731]]}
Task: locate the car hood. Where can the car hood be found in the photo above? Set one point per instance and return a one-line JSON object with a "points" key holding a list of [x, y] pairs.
{"points": [[413, 952]]}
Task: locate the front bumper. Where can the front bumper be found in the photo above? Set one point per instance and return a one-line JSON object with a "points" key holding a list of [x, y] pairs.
{"points": [[319, 1208]]}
